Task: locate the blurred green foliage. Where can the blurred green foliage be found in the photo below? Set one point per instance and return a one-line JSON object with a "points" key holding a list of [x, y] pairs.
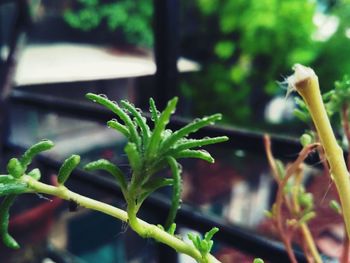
{"points": [[243, 46], [133, 18], [255, 42], [333, 60]]}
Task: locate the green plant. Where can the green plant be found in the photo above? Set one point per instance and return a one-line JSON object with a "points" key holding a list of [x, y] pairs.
{"points": [[296, 203], [132, 18], [149, 150], [305, 82]]}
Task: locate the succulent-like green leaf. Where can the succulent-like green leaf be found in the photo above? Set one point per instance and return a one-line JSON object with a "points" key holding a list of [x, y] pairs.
{"points": [[8, 240], [172, 229], [159, 128], [114, 107], [140, 120], [35, 174], [13, 187], [37, 148], [111, 168], [6, 178], [15, 168], [114, 124], [193, 143], [152, 186], [155, 184], [67, 167], [154, 112], [177, 189], [209, 235], [189, 128], [199, 154], [133, 156]]}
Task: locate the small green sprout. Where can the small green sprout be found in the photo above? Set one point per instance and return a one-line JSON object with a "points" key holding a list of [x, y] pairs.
{"points": [[258, 260], [204, 245], [151, 150], [11, 185], [336, 98], [4, 222]]}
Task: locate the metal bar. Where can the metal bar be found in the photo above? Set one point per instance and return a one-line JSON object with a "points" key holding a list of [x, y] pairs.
{"points": [[21, 22], [166, 33], [22, 19]]}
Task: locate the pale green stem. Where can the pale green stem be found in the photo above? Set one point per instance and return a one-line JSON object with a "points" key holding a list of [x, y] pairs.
{"points": [[305, 82], [143, 228]]}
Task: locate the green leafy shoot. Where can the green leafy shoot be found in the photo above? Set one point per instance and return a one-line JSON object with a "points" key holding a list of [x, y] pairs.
{"points": [[139, 119], [159, 128], [151, 150], [338, 97], [16, 168], [154, 112], [114, 124], [204, 245], [191, 128], [114, 107], [199, 154], [12, 186], [258, 260]]}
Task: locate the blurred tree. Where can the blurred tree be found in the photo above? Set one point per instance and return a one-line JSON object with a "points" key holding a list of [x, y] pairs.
{"points": [[255, 41], [132, 18], [333, 60]]}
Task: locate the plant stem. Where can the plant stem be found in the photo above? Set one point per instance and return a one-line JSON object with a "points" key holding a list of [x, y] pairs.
{"points": [[346, 127], [143, 228], [308, 239], [293, 169], [306, 83]]}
